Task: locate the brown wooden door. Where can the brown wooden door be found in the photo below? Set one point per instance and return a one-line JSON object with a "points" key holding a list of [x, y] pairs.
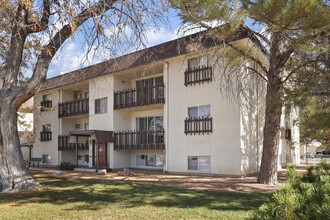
{"points": [[102, 152]]}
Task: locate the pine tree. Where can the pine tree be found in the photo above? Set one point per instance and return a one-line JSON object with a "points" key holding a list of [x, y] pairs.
{"points": [[284, 28]]}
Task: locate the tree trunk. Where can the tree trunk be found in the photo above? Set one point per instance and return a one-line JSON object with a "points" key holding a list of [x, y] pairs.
{"points": [[13, 172], [268, 169]]}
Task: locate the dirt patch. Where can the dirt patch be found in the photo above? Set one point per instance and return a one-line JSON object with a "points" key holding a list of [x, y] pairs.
{"points": [[228, 184]]}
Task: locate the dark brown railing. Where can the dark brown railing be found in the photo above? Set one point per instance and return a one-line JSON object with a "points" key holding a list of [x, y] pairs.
{"points": [[63, 144], [45, 105], [45, 135], [139, 140], [72, 108], [130, 98], [198, 75], [198, 125]]}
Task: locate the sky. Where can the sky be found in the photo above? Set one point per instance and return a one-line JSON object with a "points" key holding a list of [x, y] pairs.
{"points": [[72, 54]]}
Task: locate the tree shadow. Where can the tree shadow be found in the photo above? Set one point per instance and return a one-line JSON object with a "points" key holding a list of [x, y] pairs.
{"points": [[98, 194]]}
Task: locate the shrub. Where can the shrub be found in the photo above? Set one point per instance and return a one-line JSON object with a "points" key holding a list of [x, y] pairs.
{"points": [[67, 166], [304, 196]]}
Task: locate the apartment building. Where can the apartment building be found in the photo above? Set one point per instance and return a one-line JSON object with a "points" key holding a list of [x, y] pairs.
{"points": [[157, 108]]}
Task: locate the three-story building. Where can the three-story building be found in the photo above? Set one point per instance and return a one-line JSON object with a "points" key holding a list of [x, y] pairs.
{"points": [[158, 108]]}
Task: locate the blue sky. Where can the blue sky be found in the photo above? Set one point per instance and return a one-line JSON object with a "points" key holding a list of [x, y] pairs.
{"points": [[72, 55]]}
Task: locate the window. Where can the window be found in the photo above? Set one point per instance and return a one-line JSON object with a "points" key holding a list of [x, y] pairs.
{"points": [[154, 123], [199, 163], [149, 82], [46, 133], [199, 112], [150, 160], [86, 126], [46, 102], [101, 105], [155, 83], [86, 94], [47, 97], [197, 72], [46, 127], [193, 63], [199, 120], [77, 126]]}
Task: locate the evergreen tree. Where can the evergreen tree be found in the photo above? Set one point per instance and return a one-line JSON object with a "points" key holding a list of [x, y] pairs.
{"points": [[284, 28]]}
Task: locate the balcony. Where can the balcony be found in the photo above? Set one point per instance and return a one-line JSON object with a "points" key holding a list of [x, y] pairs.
{"points": [[138, 97], [45, 135], [198, 75], [199, 125], [73, 108], [139, 140], [63, 144], [45, 105]]}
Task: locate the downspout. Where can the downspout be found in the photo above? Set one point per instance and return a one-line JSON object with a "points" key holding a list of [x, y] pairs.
{"points": [[167, 104]]}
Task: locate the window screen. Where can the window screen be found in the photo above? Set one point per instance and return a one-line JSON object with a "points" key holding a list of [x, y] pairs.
{"points": [[193, 63], [192, 163], [200, 111], [204, 111], [199, 163], [193, 112], [204, 163]]}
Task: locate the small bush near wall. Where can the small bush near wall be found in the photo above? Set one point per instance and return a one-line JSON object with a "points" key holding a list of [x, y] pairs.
{"points": [[67, 166], [304, 196]]}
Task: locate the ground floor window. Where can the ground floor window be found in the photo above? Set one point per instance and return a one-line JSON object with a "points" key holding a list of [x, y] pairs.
{"points": [[150, 160], [199, 163]]}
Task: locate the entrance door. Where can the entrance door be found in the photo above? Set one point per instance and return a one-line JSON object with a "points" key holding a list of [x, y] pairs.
{"points": [[102, 156]]}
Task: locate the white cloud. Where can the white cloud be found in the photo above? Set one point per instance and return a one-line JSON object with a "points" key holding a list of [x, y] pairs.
{"points": [[154, 36], [71, 57], [188, 29]]}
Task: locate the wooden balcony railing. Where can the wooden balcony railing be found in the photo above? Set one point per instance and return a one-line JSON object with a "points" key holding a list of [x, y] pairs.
{"points": [[45, 135], [45, 105], [63, 144], [198, 75], [139, 140], [130, 98], [74, 107], [200, 125]]}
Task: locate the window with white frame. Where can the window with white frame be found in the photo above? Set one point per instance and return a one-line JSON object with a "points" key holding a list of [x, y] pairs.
{"points": [[86, 126], [149, 161], [101, 105], [202, 111], [46, 127], [193, 63], [47, 97], [199, 163]]}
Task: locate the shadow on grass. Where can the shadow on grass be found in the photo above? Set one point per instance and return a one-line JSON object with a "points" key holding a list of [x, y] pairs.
{"points": [[76, 194]]}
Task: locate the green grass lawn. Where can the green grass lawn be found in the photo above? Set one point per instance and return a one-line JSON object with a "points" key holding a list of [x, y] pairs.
{"points": [[96, 199]]}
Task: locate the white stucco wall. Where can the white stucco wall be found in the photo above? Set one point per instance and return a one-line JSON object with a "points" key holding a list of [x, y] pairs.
{"points": [[47, 117], [222, 145]]}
